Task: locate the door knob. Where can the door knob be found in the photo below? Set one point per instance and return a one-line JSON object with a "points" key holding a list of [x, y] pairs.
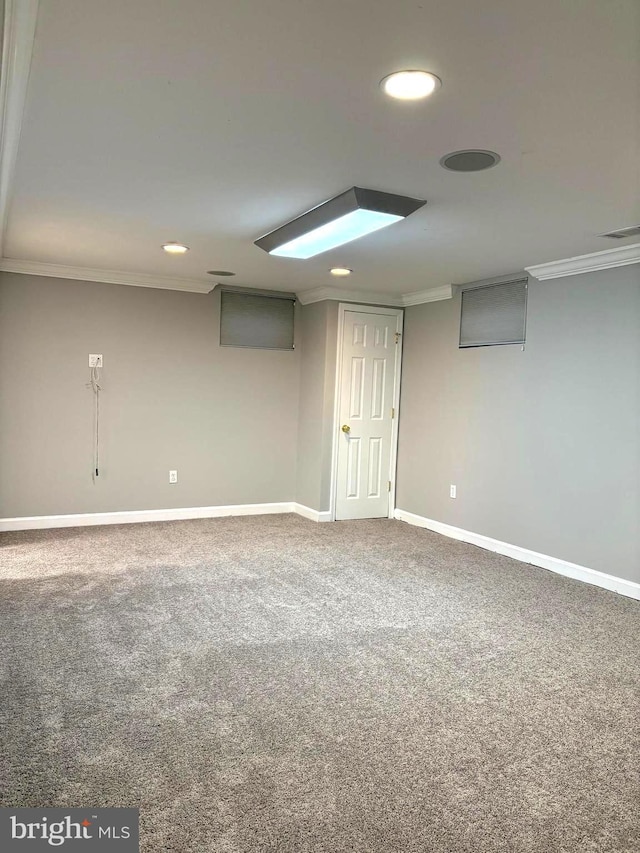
{"points": [[346, 428]]}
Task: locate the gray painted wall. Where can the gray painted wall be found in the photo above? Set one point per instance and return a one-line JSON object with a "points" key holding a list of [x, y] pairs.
{"points": [[543, 445], [173, 398], [318, 334]]}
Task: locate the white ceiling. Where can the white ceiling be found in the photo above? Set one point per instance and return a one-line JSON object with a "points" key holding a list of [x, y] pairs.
{"points": [[211, 123]]}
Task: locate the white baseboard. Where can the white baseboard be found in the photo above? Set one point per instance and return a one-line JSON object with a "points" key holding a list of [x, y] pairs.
{"points": [[311, 514], [552, 564], [89, 519]]}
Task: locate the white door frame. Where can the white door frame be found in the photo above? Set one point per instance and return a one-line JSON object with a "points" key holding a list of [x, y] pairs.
{"points": [[366, 309]]}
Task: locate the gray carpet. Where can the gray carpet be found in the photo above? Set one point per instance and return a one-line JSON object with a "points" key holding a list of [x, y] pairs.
{"points": [[271, 684]]}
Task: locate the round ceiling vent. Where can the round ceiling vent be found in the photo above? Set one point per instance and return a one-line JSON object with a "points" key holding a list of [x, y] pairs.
{"points": [[472, 160]]}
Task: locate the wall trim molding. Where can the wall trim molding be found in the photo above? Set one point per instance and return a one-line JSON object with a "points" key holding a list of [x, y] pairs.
{"points": [[311, 514], [19, 31], [105, 276], [524, 555], [368, 297], [341, 294], [138, 516], [621, 256], [435, 294], [189, 285]]}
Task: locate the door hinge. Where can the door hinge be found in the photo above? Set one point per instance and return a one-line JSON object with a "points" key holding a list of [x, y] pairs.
{"points": [[389, 487], [398, 336], [393, 413]]}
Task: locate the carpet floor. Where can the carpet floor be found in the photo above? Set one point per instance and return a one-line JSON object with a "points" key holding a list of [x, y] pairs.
{"points": [[271, 684]]}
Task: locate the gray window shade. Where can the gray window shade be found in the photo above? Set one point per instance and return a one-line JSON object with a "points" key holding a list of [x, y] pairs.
{"points": [[248, 320], [494, 314]]}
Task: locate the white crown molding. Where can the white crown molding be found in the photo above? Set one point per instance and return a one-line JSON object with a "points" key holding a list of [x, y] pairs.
{"points": [[368, 297], [19, 31], [105, 276], [543, 561], [340, 294], [435, 294], [305, 297], [621, 256]]}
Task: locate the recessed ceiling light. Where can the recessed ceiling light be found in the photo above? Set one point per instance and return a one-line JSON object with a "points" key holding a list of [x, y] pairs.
{"points": [[175, 248], [340, 271], [410, 85], [219, 272], [472, 160]]}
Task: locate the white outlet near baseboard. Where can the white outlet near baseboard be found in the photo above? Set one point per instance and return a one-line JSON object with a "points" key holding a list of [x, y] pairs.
{"points": [[173, 476], [95, 360], [453, 491]]}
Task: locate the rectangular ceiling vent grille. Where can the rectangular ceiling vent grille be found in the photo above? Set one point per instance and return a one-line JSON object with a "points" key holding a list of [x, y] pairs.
{"points": [[633, 231]]}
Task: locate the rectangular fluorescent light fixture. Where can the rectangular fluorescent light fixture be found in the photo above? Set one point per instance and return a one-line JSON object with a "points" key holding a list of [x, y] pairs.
{"points": [[342, 230], [340, 220]]}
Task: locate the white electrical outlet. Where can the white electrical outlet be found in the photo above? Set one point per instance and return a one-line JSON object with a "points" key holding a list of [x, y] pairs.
{"points": [[453, 491], [95, 360], [173, 476]]}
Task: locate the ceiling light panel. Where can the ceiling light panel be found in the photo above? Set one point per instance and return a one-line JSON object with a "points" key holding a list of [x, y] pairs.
{"points": [[347, 217], [343, 230]]}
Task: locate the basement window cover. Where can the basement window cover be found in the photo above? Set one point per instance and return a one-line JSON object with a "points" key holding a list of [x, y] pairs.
{"points": [[494, 314], [252, 320]]}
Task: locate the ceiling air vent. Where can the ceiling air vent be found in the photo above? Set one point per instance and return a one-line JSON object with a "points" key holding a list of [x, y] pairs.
{"points": [[633, 231]]}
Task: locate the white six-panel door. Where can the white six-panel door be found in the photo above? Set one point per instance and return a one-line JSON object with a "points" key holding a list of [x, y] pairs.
{"points": [[369, 358]]}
